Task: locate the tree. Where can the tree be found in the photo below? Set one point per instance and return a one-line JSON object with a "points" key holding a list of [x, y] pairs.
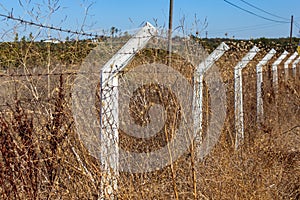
{"points": [[31, 37], [23, 39], [113, 31], [16, 39]]}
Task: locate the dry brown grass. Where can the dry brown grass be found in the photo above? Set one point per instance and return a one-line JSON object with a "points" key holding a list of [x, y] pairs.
{"points": [[41, 156]]}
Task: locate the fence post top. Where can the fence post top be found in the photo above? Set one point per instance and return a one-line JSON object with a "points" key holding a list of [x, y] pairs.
{"points": [[210, 60], [148, 24], [247, 58], [280, 59], [290, 59], [285, 53]]}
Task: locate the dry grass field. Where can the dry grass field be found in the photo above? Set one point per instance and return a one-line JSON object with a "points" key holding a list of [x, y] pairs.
{"points": [[42, 157]]}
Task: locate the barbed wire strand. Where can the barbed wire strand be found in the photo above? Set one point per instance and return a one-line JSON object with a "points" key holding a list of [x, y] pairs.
{"points": [[60, 29], [121, 72], [31, 23]]}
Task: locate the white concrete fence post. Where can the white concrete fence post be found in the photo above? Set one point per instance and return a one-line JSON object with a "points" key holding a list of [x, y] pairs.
{"points": [[259, 74], [109, 121], [238, 96], [198, 91], [275, 70], [294, 66], [287, 63]]}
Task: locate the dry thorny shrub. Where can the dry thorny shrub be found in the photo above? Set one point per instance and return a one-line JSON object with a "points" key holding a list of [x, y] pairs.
{"points": [[41, 156]]}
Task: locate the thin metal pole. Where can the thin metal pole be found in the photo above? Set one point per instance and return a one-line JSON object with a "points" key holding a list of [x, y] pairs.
{"points": [[170, 29], [291, 30]]}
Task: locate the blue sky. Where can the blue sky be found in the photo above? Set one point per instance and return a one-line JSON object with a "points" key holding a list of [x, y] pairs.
{"points": [[130, 14]]}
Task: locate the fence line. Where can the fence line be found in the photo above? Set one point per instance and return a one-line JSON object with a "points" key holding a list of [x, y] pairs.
{"points": [[239, 113], [109, 118]]}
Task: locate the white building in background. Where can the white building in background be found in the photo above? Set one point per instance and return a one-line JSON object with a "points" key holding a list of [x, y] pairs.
{"points": [[51, 40]]}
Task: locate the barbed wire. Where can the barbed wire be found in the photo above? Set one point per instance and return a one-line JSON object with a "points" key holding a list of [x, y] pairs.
{"points": [[42, 74], [40, 25], [60, 29], [121, 72]]}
